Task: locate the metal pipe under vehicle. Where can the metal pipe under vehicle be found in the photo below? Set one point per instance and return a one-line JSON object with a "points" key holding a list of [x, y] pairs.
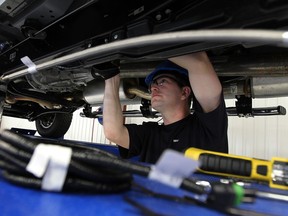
{"points": [[257, 87], [131, 93]]}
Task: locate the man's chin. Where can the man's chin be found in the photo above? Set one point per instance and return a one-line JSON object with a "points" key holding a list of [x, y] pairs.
{"points": [[156, 105]]}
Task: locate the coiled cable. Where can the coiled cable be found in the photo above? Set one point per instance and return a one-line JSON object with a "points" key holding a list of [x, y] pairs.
{"points": [[16, 151], [92, 170]]}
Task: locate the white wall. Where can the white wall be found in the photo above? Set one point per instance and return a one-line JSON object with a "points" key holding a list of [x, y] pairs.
{"points": [[259, 137], [9, 122], [86, 129], [81, 129]]}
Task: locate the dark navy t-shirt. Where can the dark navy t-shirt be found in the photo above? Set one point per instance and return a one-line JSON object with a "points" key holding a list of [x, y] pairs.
{"points": [[201, 130]]}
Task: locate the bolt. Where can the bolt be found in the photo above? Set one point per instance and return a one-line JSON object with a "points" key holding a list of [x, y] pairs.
{"points": [[158, 17], [168, 11]]}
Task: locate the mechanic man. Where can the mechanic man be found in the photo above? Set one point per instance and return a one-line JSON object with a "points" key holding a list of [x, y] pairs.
{"points": [[171, 94]]}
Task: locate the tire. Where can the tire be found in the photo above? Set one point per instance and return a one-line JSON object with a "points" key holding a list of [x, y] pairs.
{"points": [[53, 125]]}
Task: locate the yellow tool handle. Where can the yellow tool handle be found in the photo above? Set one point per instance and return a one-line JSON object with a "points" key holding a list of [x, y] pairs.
{"points": [[231, 165]]}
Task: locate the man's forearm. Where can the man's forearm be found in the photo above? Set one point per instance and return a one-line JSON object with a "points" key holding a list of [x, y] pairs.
{"points": [[112, 113], [114, 129]]}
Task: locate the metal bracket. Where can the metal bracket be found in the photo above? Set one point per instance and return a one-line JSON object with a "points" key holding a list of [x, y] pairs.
{"points": [[146, 109], [243, 106], [87, 112]]}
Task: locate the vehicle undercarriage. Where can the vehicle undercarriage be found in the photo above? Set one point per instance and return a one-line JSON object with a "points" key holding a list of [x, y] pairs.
{"points": [[49, 51]]}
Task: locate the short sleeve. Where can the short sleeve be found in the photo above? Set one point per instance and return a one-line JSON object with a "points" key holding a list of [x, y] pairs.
{"points": [[215, 124], [139, 136]]}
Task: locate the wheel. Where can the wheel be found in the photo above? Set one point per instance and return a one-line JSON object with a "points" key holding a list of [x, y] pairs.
{"points": [[53, 125]]}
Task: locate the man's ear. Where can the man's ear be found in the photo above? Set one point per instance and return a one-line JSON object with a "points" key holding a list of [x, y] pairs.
{"points": [[186, 91]]}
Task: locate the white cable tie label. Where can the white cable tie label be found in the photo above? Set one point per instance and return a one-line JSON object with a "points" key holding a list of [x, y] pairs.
{"points": [[28, 62], [39, 161], [172, 167], [50, 162]]}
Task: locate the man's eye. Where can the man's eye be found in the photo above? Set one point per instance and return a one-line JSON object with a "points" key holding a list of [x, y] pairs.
{"points": [[162, 81]]}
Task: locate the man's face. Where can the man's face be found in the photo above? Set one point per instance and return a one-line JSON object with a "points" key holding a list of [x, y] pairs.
{"points": [[165, 92]]}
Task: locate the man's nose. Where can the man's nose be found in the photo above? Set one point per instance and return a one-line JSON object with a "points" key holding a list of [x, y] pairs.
{"points": [[154, 87]]}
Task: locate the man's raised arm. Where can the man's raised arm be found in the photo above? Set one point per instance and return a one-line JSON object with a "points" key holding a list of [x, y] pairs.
{"points": [[114, 129], [203, 79]]}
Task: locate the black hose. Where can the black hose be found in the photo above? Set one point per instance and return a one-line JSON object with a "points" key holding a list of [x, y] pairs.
{"points": [[90, 170], [82, 176]]}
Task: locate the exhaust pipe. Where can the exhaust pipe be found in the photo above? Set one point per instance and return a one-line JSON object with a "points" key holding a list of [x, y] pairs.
{"points": [[128, 92], [257, 87]]}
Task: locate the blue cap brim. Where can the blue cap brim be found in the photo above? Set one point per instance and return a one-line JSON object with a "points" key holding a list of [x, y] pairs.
{"points": [[167, 66]]}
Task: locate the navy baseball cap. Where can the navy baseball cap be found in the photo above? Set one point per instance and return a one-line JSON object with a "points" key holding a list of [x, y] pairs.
{"points": [[167, 67]]}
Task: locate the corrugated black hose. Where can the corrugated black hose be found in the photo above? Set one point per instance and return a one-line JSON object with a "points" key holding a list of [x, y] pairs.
{"points": [[90, 170], [16, 151]]}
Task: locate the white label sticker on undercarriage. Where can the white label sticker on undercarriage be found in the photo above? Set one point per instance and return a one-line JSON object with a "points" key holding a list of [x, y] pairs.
{"points": [[28, 62]]}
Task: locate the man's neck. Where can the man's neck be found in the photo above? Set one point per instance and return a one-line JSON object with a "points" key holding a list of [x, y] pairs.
{"points": [[174, 116]]}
